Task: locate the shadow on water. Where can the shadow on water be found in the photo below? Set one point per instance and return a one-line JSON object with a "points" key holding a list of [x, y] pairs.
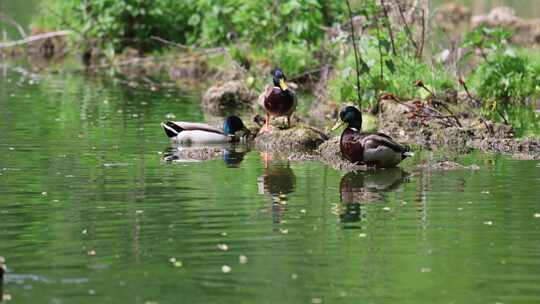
{"points": [[2, 270], [278, 181], [358, 188], [232, 154]]}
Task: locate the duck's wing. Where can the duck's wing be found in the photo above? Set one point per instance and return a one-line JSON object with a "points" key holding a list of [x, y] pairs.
{"points": [[383, 139], [267, 91], [173, 128]]}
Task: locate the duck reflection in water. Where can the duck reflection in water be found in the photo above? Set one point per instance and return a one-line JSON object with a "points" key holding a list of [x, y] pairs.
{"points": [[232, 154], [357, 188], [277, 182]]}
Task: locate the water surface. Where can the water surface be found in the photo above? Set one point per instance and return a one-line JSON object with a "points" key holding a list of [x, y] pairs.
{"points": [[89, 213]]}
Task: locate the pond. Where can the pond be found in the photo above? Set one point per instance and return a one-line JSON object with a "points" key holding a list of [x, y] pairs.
{"points": [[89, 213]]}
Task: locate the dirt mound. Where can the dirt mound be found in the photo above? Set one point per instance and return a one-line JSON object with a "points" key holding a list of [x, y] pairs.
{"points": [[300, 138], [226, 96]]}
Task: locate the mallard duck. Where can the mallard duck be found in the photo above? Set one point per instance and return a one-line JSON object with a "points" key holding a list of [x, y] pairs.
{"points": [[372, 149], [193, 132], [277, 99]]}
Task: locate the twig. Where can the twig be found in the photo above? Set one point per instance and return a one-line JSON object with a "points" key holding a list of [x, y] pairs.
{"points": [[307, 73], [34, 38], [407, 29], [12, 21], [423, 37], [356, 59], [390, 31]]}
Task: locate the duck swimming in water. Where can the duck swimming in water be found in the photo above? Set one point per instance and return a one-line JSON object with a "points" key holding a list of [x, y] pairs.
{"points": [[277, 100], [234, 130], [372, 149]]}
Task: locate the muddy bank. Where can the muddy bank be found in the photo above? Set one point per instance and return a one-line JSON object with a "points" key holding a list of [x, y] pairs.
{"points": [[297, 138], [401, 121]]}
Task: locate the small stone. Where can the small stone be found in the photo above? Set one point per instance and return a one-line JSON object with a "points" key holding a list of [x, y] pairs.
{"points": [[226, 268], [223, 247], [243, 259]]}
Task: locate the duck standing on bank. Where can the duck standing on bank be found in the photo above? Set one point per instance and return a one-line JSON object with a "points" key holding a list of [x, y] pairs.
{"points": [[277, 99], [234, 130], [372, 149]]}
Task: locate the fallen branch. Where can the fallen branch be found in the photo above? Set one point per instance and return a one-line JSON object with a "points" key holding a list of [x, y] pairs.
{"points": [[12, 21], [34, 39]]}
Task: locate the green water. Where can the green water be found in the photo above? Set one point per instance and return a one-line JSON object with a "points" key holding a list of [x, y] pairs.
{"points": [[90, 214]]}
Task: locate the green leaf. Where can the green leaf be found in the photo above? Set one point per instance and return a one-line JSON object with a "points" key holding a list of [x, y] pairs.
{"points": [[390, 65], [386, 44]]}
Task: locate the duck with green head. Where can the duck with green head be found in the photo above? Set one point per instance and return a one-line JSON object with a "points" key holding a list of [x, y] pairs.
{"points": [[277, 99], [372, 149], [234, 130]]}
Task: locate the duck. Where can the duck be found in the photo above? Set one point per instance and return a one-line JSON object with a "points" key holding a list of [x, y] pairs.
{"points": [[233, 130], [277, 99], [372, 149]]}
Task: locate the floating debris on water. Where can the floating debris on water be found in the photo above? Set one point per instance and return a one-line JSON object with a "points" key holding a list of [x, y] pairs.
{"points": [[425, 270], [489, 223], [223, 247], [284, 231], [485, 192], [91, 252], [170, 116], [84, 231], [302, 210], [175, 262], [226, 268], [44, 193], [316, 301], [362, 235], [294, 276], [243, 259], [537, 215], [386, 208], [139, 211], [224, 234]]}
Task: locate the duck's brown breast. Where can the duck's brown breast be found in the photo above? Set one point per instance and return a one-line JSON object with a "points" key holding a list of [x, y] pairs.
{"points": [[279, 102], [351, 146]]}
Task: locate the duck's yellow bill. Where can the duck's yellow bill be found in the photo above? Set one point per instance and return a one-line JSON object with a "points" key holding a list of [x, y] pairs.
{"points": [[338, 124], [283, 84]]}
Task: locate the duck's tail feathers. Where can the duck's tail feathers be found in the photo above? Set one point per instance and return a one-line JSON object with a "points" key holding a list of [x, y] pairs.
{"points": [[171, 129], [407, 152]]}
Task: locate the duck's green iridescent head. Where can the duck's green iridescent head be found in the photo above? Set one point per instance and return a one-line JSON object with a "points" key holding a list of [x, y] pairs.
{"points": [[278, 77], [351, 116], [233, 124]]}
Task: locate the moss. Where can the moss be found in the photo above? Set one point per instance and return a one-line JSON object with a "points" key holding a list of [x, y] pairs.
{"points": [[303, 138]]}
